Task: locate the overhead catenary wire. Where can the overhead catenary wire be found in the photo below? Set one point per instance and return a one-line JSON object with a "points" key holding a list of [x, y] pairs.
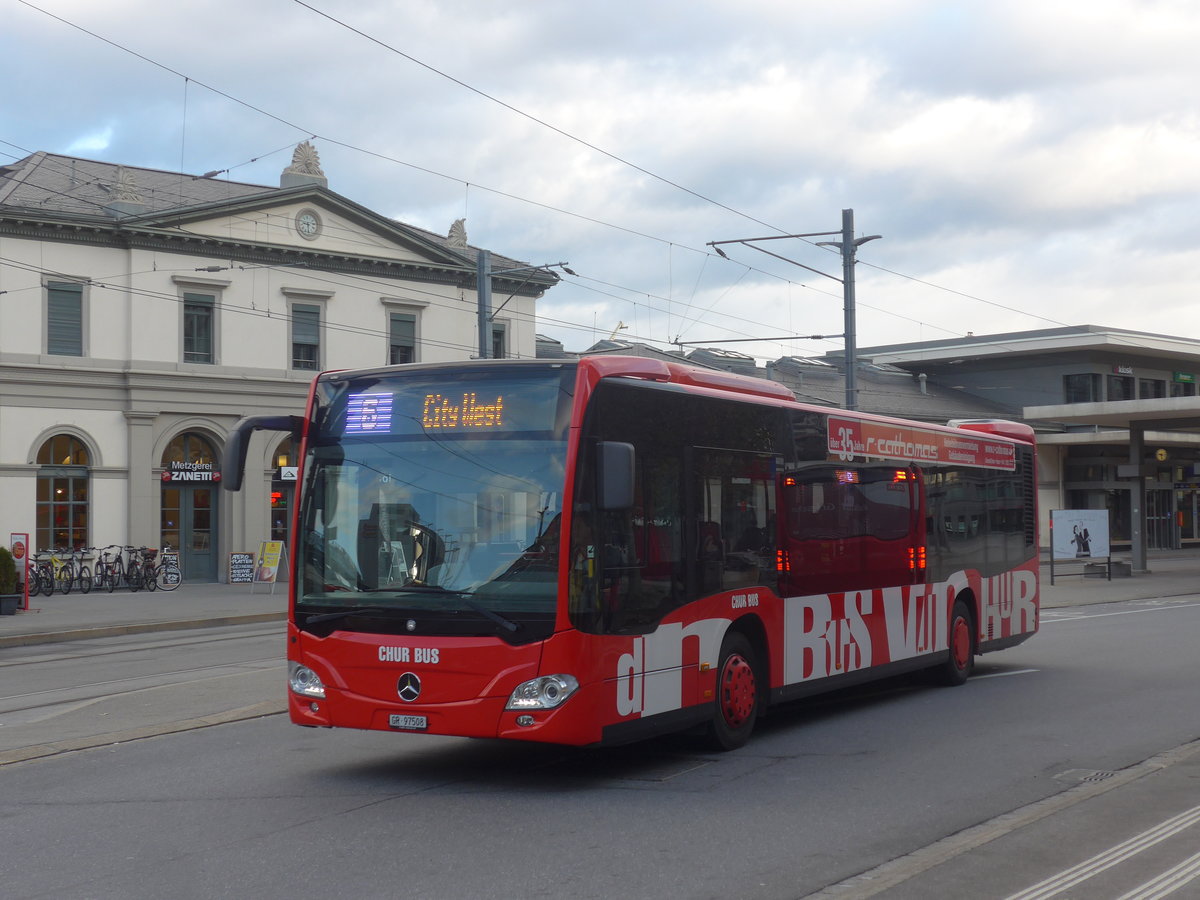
{"points": [[515, 110]]}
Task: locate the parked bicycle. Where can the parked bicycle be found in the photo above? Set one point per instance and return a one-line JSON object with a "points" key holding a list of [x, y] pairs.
{"points": [[115, 565], [149, 572], [110, 570], [52, 571], [81, 571], [134, 574]]}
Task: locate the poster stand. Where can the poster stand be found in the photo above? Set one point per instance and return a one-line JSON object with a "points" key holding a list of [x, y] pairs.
{"points": [[1080, 536], [271, 555]]}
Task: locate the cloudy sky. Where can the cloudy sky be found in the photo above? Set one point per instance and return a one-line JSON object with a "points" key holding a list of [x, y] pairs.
{"points": [[1028, 163]]}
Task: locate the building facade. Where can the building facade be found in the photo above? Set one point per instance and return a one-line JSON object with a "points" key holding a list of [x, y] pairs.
{"points": [[1081, 387], [143, 313]]}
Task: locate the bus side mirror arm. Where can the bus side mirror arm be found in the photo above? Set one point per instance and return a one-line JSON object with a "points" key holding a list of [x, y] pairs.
{"points": [[233, 460], [616, 475]]}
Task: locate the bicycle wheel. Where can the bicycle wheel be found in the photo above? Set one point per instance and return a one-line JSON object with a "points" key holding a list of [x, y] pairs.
{"points": [[66, 578], [134, 576], [35, 583], [150, 578], [169, 577], [46, 581]]}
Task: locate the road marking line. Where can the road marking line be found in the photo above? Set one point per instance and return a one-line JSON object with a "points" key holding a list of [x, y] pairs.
{"points": [[1128, 612], [1068, 878], [1005, 674], [1168, 882]]}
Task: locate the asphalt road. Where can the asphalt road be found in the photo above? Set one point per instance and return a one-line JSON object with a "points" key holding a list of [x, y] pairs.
{"points": [[899, 790]]}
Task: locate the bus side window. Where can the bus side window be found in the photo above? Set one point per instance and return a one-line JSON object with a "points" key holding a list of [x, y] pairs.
{"points": [[734, 530]]}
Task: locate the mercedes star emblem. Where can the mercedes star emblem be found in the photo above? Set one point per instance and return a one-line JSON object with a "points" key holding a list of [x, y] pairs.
{"points": [[408, 687]]}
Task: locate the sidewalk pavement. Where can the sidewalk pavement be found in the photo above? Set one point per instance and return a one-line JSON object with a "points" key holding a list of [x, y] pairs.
{"points": [[77, 616], [98, 614]]}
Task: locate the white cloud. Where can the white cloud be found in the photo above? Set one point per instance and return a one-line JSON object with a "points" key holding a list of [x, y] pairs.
{"points": [[1038, 154], [95, 142]]}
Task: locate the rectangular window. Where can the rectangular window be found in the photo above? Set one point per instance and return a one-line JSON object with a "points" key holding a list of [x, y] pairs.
{"points": [[306, 336], [198, 328], [1151, 388], [64, 318], [402, 338], [1120, 387], [1083, 388], [499, 342], [61, 512], [1183, 389]]}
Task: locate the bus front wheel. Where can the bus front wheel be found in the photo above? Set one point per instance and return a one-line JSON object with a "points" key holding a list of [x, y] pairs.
{"points": [[737, 695]]}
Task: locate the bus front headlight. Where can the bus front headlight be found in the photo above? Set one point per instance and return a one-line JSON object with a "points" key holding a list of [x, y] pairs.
{"points": [[304, 681], [546, 692]]}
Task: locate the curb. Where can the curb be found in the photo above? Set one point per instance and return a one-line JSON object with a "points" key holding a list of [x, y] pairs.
{"points": [[103, 631]]}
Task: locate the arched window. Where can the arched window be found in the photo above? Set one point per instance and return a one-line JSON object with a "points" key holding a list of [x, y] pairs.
{"points": [[62, 493]]}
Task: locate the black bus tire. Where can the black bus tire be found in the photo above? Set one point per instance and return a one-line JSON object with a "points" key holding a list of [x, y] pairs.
{"points": [[961, 637], [738, 694]]}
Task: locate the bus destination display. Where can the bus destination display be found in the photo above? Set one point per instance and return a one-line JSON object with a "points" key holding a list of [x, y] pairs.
{"points": [[442, 412], [429, 407]]}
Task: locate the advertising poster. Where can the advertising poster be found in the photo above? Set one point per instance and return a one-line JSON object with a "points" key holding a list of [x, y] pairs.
{"points": [[266, 567], [1079, 533], [18, 545]]}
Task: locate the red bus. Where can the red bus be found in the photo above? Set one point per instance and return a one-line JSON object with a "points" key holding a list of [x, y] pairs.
{"points": [[592, 552]]}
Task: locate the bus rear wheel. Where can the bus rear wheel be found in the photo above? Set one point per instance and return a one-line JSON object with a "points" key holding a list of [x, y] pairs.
{"points": [[737, 695], [957, 669]]}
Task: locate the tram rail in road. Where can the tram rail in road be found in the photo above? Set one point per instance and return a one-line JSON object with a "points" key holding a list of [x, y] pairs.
{"points": [[58, 698]]}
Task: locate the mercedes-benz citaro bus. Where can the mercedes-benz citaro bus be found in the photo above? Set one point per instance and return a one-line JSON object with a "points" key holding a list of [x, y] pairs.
{"points": [[592, 552]]}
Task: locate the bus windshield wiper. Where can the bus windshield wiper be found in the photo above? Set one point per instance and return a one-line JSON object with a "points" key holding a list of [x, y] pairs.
{"points": [[465, 596], [507, 624], [343, 613]]}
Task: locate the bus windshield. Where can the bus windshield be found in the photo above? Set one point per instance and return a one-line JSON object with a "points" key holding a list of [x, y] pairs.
{"points": [[436, 496]]}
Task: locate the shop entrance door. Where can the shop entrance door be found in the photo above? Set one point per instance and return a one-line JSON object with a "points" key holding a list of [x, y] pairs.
{"points": [[1161, 533], [188, 513], [189, 505]]}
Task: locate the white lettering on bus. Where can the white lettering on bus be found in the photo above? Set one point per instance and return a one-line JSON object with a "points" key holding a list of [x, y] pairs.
{"points": [[876, 626], [429, 655], [650, 676], [915, 619], [1008, 599], [819, 645]]}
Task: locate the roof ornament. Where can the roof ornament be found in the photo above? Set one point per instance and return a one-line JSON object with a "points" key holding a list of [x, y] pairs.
{"points": [[457, 236], [305, 161], [126, 199], [125, 189]]}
